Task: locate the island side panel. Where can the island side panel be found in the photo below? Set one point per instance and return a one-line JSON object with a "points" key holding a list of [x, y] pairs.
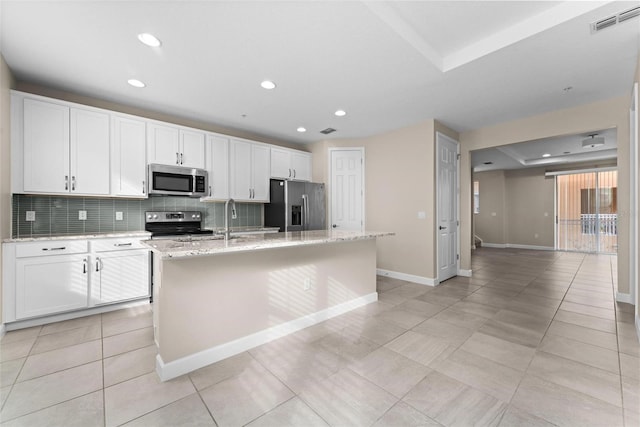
{"points": [[211, 300]]}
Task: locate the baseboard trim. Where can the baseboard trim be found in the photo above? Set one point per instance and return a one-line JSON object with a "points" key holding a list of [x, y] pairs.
{"points": [[465, 273], [620, 297], [516, 246], [175, 368], [408, 277], [3, 330]]}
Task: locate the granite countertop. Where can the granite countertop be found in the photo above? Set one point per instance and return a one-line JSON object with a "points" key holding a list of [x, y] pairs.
{"points": [[141, 234], [181, 248]]}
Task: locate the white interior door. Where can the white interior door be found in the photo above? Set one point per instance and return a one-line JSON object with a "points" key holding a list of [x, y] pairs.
{"points": [[347, 192], [447, 206]]}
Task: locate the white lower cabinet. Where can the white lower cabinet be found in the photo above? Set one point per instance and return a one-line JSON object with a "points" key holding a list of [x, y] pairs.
{"points": [[120, 276], [58, 276], [50, 284]]}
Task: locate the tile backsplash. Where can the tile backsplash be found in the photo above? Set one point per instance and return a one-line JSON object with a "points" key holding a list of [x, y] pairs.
{"points": [[57, 215]]}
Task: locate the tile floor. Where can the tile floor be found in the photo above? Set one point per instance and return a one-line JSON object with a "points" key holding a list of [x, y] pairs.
{"points": [[534, 338]]}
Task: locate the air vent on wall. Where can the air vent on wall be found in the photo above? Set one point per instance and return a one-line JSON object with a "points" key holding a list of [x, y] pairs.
{"points": [[327, 131], [615, 19]]}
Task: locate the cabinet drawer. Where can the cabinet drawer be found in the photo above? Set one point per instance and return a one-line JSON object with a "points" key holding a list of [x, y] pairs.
{"points": [[51, 247], [116, 244]]}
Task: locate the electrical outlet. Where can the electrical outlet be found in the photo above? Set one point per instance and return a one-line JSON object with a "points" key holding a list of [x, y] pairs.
{"points": [[82, 215], [307, 284], [119, 216], [31, 216], [422, 215]]}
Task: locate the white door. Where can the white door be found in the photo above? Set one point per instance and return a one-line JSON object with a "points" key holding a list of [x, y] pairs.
{"points": [[447, 206], [46, 147], [218, 167], [129, 163], [240, 170], [89, 148], [192, 149], [301, 165], [281, 164], [163, 144], [347, 192], [122, 275], [260, 169]]}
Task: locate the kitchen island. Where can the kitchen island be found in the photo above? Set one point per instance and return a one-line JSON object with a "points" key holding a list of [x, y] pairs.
{"points": [[214, 298]]}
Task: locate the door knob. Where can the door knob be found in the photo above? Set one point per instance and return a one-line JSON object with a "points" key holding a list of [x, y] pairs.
{"points": [[335, 225]]}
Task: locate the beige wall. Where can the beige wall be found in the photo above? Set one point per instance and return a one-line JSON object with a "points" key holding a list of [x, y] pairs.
{"points": [[98, 103], [489, 227], [595, 116], [637, 261], [399, 182], [6, 83]]}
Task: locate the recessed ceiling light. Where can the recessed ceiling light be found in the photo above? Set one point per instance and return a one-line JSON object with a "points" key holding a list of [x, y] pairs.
{"points": [[268, 84], [136, 83], [546, 155], [340, 113], [149, 39], [301, 129]]}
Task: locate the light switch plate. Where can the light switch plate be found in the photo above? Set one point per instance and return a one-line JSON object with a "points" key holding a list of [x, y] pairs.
{"points": [[422, 215], [82, 215], [31, 216], [119, 216]]}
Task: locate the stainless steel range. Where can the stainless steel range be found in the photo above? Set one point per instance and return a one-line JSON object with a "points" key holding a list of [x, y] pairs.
{"points": [[175, 224]]}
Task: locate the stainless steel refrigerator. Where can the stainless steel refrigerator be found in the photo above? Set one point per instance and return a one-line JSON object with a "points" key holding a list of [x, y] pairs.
{"points": [[296, 206]]}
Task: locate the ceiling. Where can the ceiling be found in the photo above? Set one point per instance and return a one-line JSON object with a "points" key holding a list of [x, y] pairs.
{"points": [[388, 64]]}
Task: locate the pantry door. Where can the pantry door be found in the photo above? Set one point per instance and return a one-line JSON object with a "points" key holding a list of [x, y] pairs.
{"points": [[447, 206], [347, 188]]}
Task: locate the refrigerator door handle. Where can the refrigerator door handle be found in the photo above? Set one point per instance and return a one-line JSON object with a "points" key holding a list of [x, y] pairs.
{"points": [[305, 212]]}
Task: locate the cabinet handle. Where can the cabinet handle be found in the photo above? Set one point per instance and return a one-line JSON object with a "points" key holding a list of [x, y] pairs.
{"points": [[73, 183], [118, 245], [61, 248], [289, 173], [143, 188], [177, 158], [181, 157], [97, 264], [209, 191], [294, 173], [66, 182], [84, 266]]}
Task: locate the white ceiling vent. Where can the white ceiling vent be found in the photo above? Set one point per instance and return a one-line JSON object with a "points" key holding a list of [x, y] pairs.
{"points": [[327, 131], [610, 21]]}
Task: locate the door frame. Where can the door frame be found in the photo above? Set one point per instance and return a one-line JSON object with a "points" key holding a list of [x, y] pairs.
{"points": [[330, 152], [457, 198], [634, 203]]}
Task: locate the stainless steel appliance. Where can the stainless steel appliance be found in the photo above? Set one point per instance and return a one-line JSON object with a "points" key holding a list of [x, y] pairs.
{"points": [[296, 206], [174, 224], [177, 180]]}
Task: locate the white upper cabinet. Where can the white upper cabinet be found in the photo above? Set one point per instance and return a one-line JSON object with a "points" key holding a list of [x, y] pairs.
{"points": [[46, 146], [217, 150], [290, 164], [128, 158], [89, 152], [249, 171], [169, 145], [66, 150]]}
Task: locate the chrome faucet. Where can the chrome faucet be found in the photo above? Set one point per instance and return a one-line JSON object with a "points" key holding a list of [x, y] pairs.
{"points": [[227, 229]]}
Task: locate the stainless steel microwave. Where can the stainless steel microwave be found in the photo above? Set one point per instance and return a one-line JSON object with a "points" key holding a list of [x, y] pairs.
{"points": [[177, 181]]}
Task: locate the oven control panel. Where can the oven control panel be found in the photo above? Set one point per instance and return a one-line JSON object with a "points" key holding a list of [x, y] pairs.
{"points": [[174, 216]]}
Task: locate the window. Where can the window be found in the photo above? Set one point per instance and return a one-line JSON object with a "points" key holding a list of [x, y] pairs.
{"points": [[476, 197], [605, 212]]}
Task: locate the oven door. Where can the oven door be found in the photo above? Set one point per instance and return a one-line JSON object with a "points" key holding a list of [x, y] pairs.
{"points": [[177, 181]]}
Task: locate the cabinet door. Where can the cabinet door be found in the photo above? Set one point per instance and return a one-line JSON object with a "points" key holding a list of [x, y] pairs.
{"points": [[122, 275], [192, 149], [46, 147], [128, 160], [281, 164], [163, 144], [260, 162], [240, 170], [301, 165], [89, 152], [51, 284], [218, 167]]}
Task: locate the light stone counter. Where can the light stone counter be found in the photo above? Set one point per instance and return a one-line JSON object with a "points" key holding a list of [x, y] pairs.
{"points": [[122, 234], [190, 247]]}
